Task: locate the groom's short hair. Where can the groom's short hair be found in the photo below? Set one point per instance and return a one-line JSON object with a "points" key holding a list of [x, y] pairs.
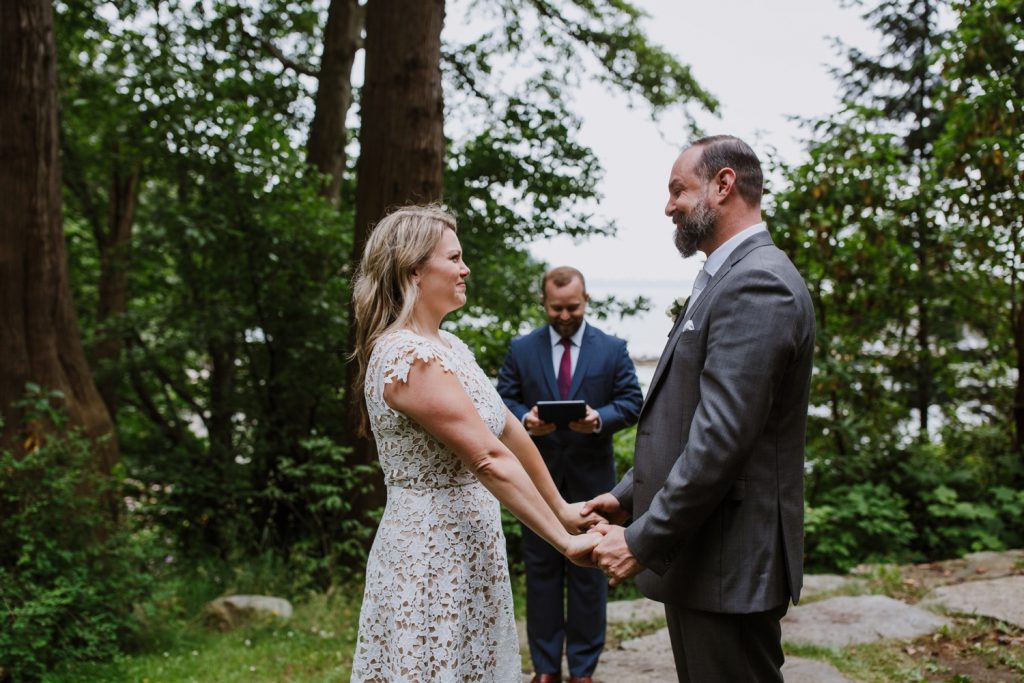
{"points": [[721, 151]]}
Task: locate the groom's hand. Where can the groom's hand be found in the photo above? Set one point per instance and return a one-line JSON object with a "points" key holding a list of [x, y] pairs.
{"points": [[607, 506], [613, 557], [575, 522]]}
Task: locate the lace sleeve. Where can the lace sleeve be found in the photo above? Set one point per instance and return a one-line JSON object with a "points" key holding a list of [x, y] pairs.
{"points": [[394, 358]]}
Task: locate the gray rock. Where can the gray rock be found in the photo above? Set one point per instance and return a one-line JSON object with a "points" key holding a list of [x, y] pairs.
{"points": [[820, 584], [842, 621], [1001, 599], [649, 659], [624, 611], [1002, 562], [799, 670], [228, 612]]}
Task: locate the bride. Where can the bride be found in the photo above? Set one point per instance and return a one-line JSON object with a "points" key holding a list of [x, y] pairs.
{"points": [[438, 602]]}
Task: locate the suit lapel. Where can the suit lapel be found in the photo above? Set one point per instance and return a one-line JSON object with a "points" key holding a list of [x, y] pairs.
{"points": [[545, 357], [759, 239]]}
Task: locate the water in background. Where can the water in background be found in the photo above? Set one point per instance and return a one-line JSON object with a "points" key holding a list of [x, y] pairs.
{"points": [[645, 333]]}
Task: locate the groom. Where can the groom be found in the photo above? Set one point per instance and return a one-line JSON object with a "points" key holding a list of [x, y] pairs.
{"points": [[716, 491]]}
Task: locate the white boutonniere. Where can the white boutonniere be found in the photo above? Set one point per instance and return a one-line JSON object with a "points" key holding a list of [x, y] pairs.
{"points": [[676, 307]]}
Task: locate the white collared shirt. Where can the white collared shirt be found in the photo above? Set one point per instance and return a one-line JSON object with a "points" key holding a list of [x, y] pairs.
{"points": [[557, 350], [719, 256], [574, 355]]}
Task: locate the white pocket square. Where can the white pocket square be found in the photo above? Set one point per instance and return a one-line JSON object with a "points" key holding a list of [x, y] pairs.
{"points": [[688, 326]]}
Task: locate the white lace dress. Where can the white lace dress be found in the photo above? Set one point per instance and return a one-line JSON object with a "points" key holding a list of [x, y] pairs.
{"points": [[438, 602]]}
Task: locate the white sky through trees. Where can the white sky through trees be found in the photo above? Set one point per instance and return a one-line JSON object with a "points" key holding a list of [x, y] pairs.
{"points": [[765, 62]]}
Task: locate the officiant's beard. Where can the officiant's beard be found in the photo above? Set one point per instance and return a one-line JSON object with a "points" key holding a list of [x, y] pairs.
{"points": [[694, 227]]}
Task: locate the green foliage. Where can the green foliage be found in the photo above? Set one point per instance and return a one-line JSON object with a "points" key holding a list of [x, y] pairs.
{"points": [[231, 382], [320, 489], [963, 526], [623, 446], [905, 221], [69, 576], [860, 523]]}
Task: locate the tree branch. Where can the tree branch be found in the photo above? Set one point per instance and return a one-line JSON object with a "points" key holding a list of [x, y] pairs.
{"points": [[286, 61], [82, 191], [172, 430], [183, 393]]}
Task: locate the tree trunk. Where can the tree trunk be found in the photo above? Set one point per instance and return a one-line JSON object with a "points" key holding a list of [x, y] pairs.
{"points": [[401, 140], [39, 334], [326, 149], [1017, 325]]}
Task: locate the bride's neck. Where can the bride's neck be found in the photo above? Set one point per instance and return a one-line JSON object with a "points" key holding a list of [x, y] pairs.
{"points": [[425, 324]]}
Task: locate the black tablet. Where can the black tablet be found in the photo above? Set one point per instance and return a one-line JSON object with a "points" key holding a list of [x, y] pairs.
{"points": [[561, 413]]}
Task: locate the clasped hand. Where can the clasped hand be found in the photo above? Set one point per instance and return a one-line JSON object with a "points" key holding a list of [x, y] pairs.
{"points": [[604, 543]]}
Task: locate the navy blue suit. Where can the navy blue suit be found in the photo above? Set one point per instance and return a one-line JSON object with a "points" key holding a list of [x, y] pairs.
{"points": [[582, 467]]}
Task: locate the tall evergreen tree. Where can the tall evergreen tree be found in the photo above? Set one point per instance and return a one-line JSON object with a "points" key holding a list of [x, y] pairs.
{"points": [[39, 335], [981, 152], [869, 195]]}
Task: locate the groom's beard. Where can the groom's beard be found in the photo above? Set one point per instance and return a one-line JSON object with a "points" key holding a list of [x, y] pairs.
{"points": [[694, 227]]}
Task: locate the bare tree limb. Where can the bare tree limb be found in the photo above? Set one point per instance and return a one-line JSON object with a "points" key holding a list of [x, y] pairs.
{"points": [[286, 61]]}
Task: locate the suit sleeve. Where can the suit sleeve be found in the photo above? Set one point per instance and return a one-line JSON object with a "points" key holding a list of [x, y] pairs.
{"points": [[755, 332], [627, 398], [623, 491], [510, 384]]}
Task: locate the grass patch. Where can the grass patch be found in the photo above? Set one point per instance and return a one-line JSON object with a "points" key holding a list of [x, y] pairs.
{"points": [[881, 662], [620, 632], [315, 645]]}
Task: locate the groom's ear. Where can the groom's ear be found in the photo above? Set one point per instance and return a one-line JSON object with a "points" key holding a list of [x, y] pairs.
{"points": [[725, 183]]}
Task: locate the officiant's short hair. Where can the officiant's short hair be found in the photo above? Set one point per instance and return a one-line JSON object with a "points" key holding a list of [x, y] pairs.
{"points": [[561, 276]]}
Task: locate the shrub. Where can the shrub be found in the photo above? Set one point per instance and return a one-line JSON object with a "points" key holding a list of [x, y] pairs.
{"points": [[960, 526], [864, 522], [68, 577]]}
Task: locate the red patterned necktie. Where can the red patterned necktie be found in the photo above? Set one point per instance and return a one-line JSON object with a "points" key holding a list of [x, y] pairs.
{"points": [[565, 369]]}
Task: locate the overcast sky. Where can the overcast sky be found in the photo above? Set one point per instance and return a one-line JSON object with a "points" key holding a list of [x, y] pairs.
{"points": [[764, 61]]}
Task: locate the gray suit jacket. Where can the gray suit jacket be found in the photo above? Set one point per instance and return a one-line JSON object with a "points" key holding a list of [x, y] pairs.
{"points": [[716, 490]]}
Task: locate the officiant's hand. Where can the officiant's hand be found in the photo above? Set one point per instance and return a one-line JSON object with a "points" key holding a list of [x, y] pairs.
{"points": [[589, 424], [536, 426], [575, 522], [607, 506], [612, 556], [580, 548]]}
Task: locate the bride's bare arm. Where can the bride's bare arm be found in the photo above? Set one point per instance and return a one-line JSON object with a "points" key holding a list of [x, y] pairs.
{"points": [[436, 400], [518, 440]]}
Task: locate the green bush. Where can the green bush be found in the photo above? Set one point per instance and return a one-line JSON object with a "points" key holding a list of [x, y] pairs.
{"points": [[68, 577], [623, 444], [321, 490], [963, 526], [864, 522]]}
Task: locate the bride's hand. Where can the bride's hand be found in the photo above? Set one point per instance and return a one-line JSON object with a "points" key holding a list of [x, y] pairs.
{"points": [[576, 523], [579, 548]]}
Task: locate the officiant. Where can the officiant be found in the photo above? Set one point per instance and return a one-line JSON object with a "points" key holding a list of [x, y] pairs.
{"points": [[568, 360]]}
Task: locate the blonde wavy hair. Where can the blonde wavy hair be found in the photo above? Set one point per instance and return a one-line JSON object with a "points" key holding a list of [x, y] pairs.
{"points": [[383, 293]]}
